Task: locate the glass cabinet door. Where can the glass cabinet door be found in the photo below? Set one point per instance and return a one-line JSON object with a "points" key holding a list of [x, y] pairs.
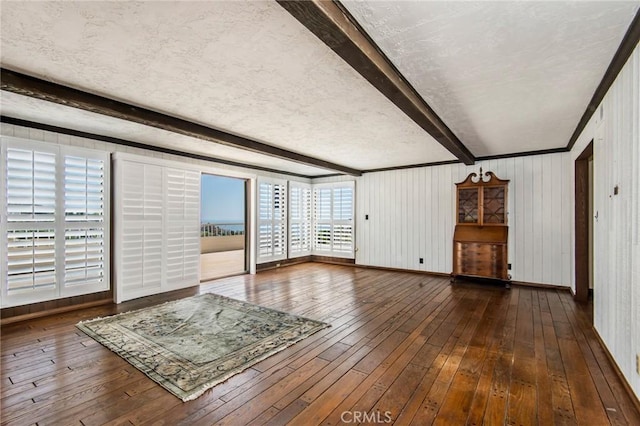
{"points": [[493, 210], [468, 205]]}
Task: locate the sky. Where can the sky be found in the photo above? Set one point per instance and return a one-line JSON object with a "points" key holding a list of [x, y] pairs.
{"points": [[221, 199]]}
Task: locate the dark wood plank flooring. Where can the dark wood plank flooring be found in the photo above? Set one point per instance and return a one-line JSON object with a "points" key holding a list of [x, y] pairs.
{"points": [[403, 348]]}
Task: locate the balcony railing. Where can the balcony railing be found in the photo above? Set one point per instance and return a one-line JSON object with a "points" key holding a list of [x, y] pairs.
{"points": [[211, 229], [217, 237]]}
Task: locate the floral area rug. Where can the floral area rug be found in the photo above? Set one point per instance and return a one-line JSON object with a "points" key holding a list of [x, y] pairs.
{"points": [[192, 344]]}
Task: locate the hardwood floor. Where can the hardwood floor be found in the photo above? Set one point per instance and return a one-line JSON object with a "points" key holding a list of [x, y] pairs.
{"points": [[403, 348]]}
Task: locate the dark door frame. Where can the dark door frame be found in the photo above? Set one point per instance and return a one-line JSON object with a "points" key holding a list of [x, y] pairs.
{"points": [[582, 218]]}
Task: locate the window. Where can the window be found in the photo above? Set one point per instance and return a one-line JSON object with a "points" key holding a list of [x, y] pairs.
{"points": [[299, 219], [272, 220], [333, 207], [57, 221]]}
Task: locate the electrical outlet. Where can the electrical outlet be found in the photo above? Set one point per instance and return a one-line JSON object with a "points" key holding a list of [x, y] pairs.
{"points": [[421, 260], [508, 266]]}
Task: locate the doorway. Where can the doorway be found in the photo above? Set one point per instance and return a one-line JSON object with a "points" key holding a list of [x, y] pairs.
{"points": [[222, 226], [584, 224]]}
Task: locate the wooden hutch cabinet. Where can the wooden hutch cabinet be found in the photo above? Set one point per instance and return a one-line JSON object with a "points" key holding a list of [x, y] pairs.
{"points": [[480, 237]]}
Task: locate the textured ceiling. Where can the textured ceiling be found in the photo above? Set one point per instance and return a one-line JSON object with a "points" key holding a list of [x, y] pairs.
{"points": [[245, 67], [30, 109], [506, 77]]}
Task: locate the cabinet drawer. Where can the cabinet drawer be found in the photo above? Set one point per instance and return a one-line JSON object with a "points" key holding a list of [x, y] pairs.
{"points": [[480, 252], [480, 259]]}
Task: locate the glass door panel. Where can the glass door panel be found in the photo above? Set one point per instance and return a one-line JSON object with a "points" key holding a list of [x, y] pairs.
{"points": [[468, 205]]}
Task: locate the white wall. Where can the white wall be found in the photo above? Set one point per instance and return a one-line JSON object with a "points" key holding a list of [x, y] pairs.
{"points": [[412, 215], [616, 162]]}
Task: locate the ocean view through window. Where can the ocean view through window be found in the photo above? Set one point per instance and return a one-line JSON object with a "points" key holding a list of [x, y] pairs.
{"points": [[222, 226]]}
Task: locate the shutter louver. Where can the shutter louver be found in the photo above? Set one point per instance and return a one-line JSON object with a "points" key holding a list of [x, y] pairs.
{"points": [[84, 192], [152, 229], [279, 220], [84, 256], [295, 237], [131, 206], [322, 219], [191, 257], [342, 238], [142, 200], [31, 206], [333, 219], [265, 226], [31, 259], [299, 219], [31, 186], [272, 220], [84, 189], [343, 220], [183, 211]]}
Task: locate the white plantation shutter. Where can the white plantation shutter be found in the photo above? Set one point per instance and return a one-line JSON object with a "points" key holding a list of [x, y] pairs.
{"points": [[157, 227], [84, 209], [272, 220], [299, 219], [83, 189], [141, 244], [333, 207], [56, 221], [322, 220], [265, 220], [280, 220], [30, 214], [84, 256], [31, 185], [343, 198], [182, 227], [31, 264]]}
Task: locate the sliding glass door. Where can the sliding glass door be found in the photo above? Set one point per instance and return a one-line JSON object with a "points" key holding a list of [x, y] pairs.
{"points": [[222, 227]]}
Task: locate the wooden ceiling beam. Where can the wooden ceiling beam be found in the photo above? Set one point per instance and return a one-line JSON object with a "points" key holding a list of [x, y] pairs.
{"points": [[15, 82], [335, 26]]}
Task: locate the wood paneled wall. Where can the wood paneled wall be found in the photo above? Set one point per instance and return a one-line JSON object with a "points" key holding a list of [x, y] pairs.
{"points": [[615, 131], [412, 215]]}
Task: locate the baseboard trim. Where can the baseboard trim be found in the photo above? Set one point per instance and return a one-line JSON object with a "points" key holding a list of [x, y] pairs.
{"points": [[623, 379], [280, 263], [445, 275], [540, 285], [54, 304], [351, 262], [332, 260], [304, 259], [207, 280], [411, 271], [54, 311]]}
